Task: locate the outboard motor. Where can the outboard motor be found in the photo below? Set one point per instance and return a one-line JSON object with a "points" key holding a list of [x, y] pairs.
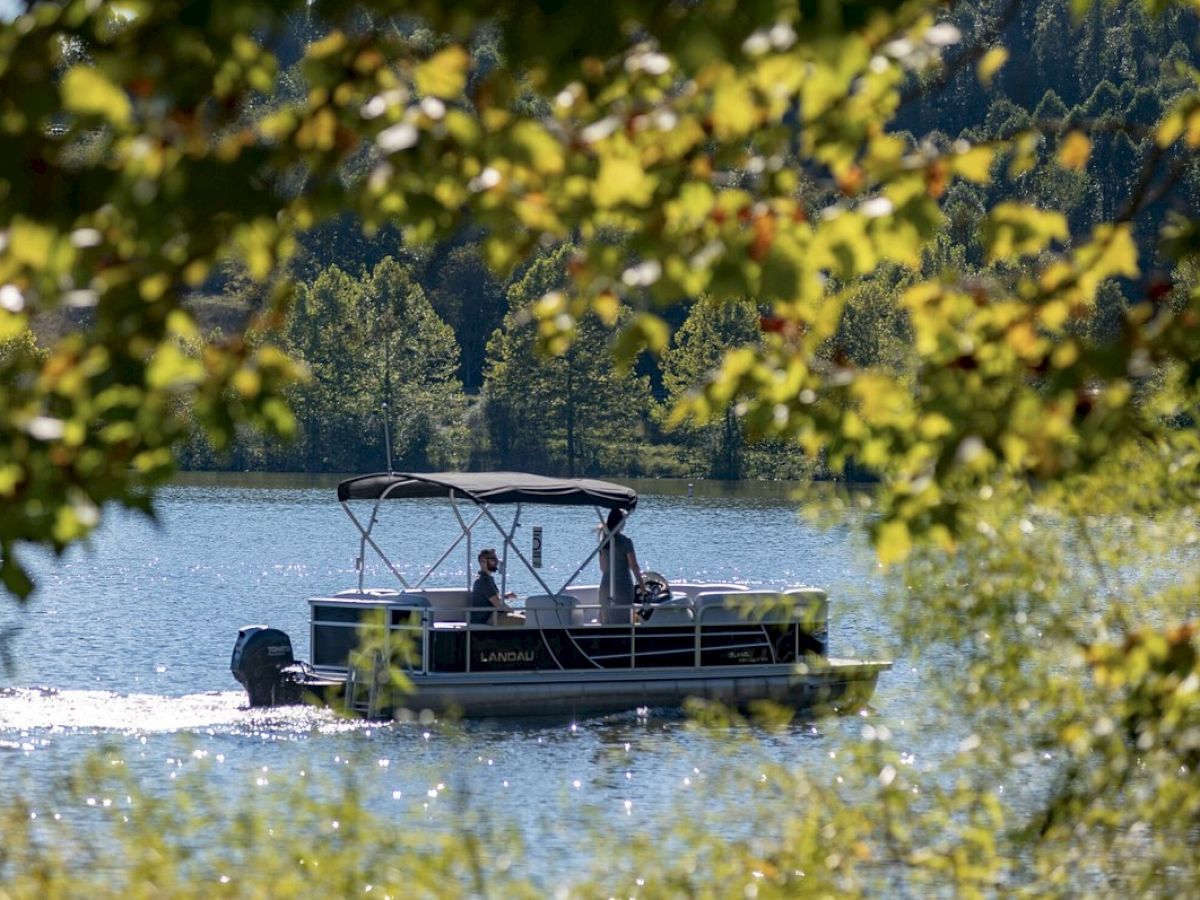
{"points": [[263, 662]]}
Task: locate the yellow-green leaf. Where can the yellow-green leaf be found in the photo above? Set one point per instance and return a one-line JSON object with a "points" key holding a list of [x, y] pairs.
{"points": [[990, 64], [1015, 229], [12, 324], [974, 164], [645, 332], [1075, 151], [538, 149], [444, 74], [30, 243], [622, 179], [172, 368], [10, 475], [332, 43], [893, 542], [735, 113], [88, 91], [607, 307]]}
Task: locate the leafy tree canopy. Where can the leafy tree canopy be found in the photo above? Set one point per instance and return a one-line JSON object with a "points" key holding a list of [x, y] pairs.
{"points": [[730, 149]]}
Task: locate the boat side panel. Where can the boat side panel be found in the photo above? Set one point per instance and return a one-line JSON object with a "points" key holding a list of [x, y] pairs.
{"points": [[590, 647]]}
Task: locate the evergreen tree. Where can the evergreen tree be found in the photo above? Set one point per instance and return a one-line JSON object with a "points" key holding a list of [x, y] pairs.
{"points": [[468, 297], [712, 328], [367, 343], [575, 413]]}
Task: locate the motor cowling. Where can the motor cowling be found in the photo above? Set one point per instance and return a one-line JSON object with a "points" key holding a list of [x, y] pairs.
{"points": [[263, 663]]}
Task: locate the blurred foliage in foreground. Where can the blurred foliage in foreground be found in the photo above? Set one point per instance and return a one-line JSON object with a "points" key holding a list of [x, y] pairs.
{"points": [[1039, 468]]}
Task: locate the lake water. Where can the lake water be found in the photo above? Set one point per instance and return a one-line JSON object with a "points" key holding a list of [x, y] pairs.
{"points": [[126, 646]]}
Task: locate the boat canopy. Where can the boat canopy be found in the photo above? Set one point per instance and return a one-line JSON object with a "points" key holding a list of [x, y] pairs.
{"points": [[489, 487]]}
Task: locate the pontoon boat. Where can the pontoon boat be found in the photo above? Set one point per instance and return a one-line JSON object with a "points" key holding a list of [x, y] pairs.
{"points": [[720, 642]]}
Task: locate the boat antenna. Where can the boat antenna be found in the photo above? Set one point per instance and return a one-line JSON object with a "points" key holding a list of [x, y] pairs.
{"points": [[387, 437], [387, 395]]}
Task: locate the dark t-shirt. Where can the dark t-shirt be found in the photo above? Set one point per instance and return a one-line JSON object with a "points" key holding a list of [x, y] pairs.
{"points": [[623, 575], [481, 595]]}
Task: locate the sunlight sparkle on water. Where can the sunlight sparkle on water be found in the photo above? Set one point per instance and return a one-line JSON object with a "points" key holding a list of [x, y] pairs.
{"points": [[41, 709]]}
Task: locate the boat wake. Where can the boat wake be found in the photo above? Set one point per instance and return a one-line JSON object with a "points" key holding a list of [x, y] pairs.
{"points": [[29, 709]]}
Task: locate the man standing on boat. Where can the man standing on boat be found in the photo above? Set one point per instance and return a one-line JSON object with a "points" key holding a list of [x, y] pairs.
{"points": [[616, 605], [485, 592]]}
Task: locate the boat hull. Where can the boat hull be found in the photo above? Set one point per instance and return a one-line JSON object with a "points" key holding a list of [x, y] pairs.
{"points": [[831, 686]]}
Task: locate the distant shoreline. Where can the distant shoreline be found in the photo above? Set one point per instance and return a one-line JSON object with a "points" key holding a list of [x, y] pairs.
{"points": [[698, 487]]}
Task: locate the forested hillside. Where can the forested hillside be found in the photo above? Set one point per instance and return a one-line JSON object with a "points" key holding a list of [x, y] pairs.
{"points": [[478, 394]]}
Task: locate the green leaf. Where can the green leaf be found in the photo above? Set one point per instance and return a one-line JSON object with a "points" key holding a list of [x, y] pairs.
{"points": [[1015, 229], [13, 574], [974, 164], [444, 74], [990, 64], [893, 543], [621, 179], [88, 91], [538, 149], [645, 332]]}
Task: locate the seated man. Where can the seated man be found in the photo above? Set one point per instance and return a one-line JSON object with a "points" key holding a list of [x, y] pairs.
{"points": [[485, 592]]}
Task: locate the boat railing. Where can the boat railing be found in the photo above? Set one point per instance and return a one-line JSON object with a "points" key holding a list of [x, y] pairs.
{"points": [[740, 620]]}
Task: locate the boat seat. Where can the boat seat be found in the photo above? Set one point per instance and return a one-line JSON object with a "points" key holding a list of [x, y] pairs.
{"points": [[553, 611], [676, 611], [449, 604], [811, 609], [738, 607], [420, 601], [691, 589]]}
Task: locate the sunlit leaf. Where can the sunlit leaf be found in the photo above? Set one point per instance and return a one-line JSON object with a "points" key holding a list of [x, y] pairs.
{"points": [[974, 164], [990, 64], [88, 91], [539, 150], [1075, 151], [621, 179], [893, 543], [1016, 229], [444, 74]]}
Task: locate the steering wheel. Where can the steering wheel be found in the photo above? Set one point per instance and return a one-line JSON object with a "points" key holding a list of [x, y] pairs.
{"points": [[657, 590]]}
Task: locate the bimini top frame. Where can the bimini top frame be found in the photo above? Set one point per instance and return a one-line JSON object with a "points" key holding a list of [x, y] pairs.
{"points": [[483, 489]]}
